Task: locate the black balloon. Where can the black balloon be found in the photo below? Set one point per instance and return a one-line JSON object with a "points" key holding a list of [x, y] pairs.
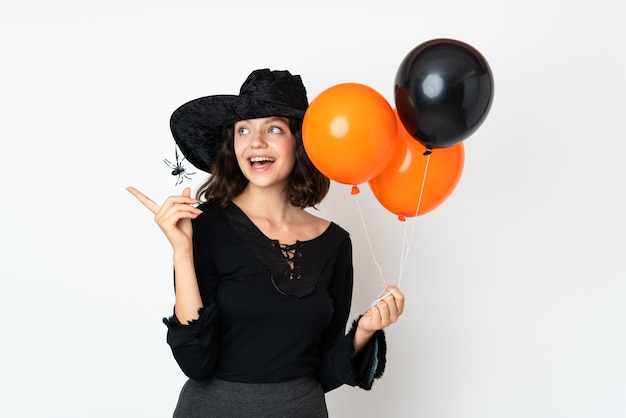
{"points": [[443, 92]]}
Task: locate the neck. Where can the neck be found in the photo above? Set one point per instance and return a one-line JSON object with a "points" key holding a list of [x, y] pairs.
{"points": [[268, 203]]}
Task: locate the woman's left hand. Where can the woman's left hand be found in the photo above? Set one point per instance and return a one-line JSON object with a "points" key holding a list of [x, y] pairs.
{"points": [[384, 313]]}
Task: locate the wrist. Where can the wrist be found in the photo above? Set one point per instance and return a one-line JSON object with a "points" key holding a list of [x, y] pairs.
{"points": [[182, 255], [361, 337], [365, 326], [364, 332]]}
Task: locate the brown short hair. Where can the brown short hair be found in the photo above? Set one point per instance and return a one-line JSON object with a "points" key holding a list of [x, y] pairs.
{"points": [[307, 186]]}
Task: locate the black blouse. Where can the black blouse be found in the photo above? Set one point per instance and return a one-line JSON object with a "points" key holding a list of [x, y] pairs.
{"points": [[264, 321]]}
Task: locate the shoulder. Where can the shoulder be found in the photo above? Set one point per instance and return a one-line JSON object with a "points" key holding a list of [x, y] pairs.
{"points": [[318, 224], [211, 215], [324, 225], [208, 208], [207, 205], [334, 236]]}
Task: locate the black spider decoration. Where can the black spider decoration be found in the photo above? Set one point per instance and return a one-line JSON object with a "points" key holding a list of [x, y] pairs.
{"points": [[178, 169]]}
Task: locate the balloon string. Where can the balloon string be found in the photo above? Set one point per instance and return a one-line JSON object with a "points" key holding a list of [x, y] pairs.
{"points": [[408, 240], [369, 241], [384, 293]]}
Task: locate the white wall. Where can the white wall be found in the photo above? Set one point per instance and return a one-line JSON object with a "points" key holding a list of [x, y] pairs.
{"points": [[515, 285]]}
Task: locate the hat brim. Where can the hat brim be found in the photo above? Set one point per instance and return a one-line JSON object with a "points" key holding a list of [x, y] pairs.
{"points": [[198, 125]]}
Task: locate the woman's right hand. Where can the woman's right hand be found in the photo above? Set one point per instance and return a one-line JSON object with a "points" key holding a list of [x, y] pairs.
{"points": [[173, 216]]}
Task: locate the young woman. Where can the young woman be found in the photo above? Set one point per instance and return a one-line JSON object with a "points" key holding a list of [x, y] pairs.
{"points": [[263, 287]]}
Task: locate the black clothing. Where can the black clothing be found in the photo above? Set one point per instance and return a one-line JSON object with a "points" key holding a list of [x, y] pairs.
{"points": [[264, 322]]}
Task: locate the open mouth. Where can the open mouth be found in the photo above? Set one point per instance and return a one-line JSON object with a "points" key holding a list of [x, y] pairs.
{"points": [[260, 162]]}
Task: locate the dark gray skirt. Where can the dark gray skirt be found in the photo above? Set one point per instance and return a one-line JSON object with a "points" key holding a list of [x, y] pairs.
{"points": [[302, 398]]}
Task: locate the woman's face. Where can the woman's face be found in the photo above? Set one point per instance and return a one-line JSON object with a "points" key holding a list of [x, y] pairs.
{"points": [[265, 149]]}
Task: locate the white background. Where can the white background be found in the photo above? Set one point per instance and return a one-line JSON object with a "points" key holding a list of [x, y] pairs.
{"points": [[515, 285]]}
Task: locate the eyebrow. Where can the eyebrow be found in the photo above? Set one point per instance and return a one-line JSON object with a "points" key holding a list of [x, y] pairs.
{"points": [[270, 119], [280, 118]]}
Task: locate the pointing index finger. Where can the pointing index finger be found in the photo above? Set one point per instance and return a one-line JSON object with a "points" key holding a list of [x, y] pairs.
{"points": [[145, 200]]}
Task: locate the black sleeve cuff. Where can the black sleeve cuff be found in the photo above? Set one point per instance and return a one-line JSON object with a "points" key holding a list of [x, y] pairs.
{"points": [[340, 365], [369, 363], [194, 345]]}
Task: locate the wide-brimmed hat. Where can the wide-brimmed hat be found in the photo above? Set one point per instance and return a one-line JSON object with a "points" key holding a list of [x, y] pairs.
{"points": [[198, 126]]}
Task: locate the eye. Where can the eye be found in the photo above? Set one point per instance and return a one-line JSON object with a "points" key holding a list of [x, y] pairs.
{"points": [[275, 130], [243, 131]]}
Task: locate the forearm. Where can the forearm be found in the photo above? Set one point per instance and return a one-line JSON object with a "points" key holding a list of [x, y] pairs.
{"points": [[361, 338], [188, 300]]}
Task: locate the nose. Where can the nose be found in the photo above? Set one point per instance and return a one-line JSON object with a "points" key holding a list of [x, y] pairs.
{"points": [[257, 139]]}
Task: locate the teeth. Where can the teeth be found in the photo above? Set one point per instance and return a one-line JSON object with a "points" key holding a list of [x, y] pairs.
{"points": [[260, 159]]}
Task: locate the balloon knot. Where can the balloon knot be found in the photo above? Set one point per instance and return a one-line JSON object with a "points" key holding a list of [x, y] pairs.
{"points": [[401, 218], [355, 190], [428, 150]]}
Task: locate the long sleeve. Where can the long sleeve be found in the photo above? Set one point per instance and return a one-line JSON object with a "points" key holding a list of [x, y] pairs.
{"points": [[338, 366], [195, 346]]}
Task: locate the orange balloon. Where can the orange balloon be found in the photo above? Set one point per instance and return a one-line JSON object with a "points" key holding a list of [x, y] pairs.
{"points": [[399, 185], [349, 132]]}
